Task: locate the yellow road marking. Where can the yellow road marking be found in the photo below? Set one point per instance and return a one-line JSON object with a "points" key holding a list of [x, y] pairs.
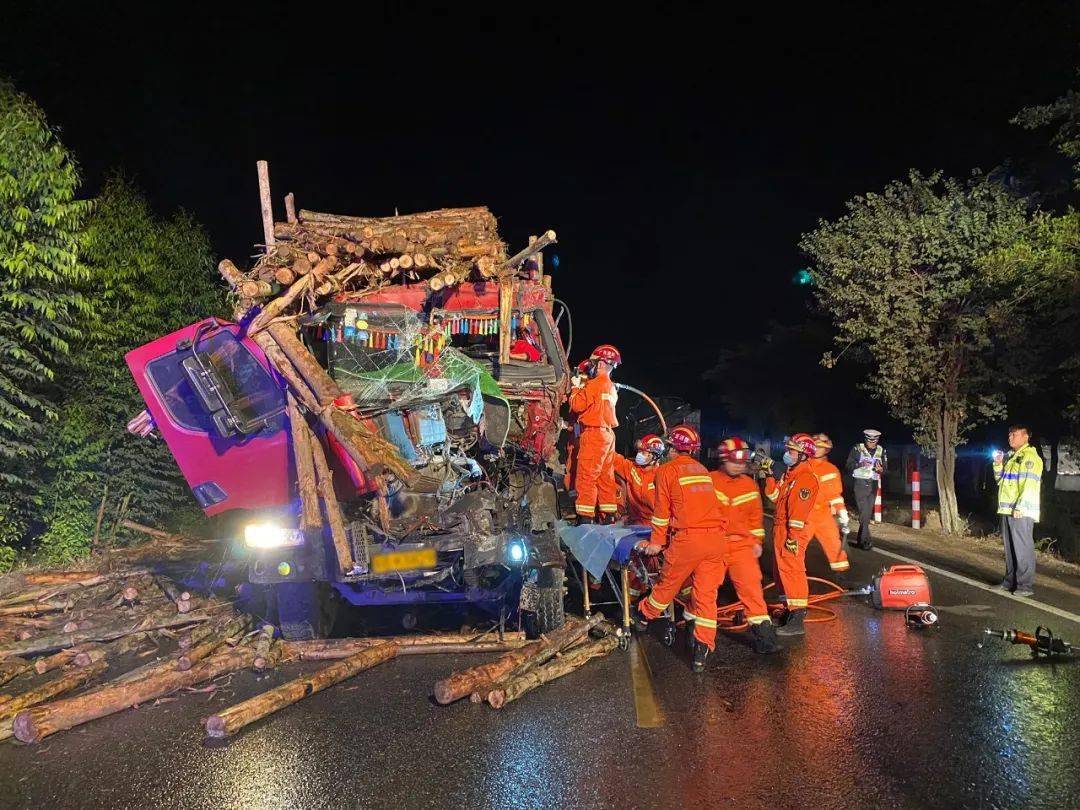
{"points": [[645, 704]]}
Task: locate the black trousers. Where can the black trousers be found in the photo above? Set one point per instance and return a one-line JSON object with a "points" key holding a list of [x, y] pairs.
{"points": [[865, 492], [1018, 535]]}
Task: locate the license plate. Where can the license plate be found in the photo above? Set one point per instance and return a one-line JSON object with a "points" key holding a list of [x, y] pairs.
{"points": [[403, 561]]}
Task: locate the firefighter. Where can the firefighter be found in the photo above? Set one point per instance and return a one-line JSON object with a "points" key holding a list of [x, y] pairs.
{"points": [[795, 498], [688, 526], [830, 501], [593, 401], [866, 462], [637, 477], [740, 502]]}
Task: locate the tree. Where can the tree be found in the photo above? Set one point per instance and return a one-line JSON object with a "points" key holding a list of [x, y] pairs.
{"points": [[1065, 112], [40, 302], [905, 274], [147, 277]]}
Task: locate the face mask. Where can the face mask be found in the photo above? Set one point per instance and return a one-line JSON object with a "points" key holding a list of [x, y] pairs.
{"points": [[642, 459], [789, 459]]}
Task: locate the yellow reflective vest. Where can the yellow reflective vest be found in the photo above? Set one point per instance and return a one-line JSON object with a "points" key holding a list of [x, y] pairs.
{"points": [[1019, 481]]}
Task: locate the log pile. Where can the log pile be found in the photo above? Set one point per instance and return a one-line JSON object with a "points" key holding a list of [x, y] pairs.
{"points": [[314, 256], [509, 677]]}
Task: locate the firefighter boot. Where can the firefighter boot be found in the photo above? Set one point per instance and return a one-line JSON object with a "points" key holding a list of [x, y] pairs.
{"points": [[763, 638], [794, 624], [701, 652], [584, 520], [641, 624]]}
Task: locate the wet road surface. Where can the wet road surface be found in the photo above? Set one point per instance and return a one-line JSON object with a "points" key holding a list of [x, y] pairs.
{"points": [[861, 712]]}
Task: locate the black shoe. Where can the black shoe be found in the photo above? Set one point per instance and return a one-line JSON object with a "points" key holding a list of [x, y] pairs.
{"points": [[584, 520], [641, 624], [794, 624], [701, 652], [690, 640], [763, 638]]}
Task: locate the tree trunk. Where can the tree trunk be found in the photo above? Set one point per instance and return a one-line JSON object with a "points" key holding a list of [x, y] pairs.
{"points": [[12, 668], [229, 634], [33, 725], [945, 441], [517, 686], [64, 682], [36, 646], [310, 516], [236, 717], [335, 648]]}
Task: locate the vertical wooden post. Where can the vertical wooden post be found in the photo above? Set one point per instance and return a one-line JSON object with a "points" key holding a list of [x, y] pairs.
{"points": [[310, 516], [325, 483], [506, 301], [290, 207], [265, 204]]}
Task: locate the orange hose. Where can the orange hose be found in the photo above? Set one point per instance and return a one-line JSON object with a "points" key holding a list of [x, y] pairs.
{"points": [[726, 612]]}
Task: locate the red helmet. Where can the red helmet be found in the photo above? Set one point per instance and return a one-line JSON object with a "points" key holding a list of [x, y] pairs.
{"points": [[822, 441], [801, 443], [684, 439], [651, 443], [734, 449], [607, 353], [584, 367]]}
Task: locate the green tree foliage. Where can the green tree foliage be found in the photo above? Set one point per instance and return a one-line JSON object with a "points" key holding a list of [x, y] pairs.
{"points": [[40, 303], [1065, 113], [905, 274], [147, 278]]}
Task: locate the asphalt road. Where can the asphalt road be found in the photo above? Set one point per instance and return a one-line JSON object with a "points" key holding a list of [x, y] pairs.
{"points": [[861, 712]]}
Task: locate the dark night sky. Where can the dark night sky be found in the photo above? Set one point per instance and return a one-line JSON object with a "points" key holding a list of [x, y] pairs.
{"points": [[678, 155]]}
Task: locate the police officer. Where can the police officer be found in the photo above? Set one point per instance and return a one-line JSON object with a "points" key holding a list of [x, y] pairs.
{"points": [[866, 463], [1019, 477]]}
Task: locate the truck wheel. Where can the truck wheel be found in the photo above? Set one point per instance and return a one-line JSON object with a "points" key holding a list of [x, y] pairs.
{"points": [[306, 610], [550, 613]]}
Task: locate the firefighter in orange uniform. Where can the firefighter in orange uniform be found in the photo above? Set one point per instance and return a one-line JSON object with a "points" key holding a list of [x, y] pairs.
{"points": [[795, 496], [688, 526], [636, 477], [593, 402], [740, 502], [829, 502]]}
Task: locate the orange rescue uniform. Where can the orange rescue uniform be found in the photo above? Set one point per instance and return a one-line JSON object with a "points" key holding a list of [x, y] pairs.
{"points": [[688, 523], [638, 483], [740, 502], [830, 501], [594, 405], [795, 496]]}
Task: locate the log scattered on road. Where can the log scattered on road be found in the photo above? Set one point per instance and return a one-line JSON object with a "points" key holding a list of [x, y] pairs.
{"points": [[517, 686], [62, 684]]}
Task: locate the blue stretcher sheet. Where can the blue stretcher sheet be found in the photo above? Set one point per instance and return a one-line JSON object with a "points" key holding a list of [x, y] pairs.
{"points": [[594, 545]]}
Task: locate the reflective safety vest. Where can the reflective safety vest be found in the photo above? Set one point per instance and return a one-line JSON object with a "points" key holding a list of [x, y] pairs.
{"points": [[868, 473], [1019, 481]]}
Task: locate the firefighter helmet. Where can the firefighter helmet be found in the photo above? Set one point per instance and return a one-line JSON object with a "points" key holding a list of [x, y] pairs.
{"points": [[684, 439], [822, 441], [651, 443], [607, 353], [734, 449], [584, 367], [801, 443]]}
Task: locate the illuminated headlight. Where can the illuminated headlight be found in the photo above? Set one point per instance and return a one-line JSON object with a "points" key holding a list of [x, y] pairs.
{"points": [[267, 535], [516, 551]]}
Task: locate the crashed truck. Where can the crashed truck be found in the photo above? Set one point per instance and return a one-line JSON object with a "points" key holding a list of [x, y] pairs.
{"points": [[425, 365]]}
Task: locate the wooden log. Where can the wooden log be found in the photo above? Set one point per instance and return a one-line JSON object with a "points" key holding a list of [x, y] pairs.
{"points": [[12, 668], [506, 301], [256, 289], [62, 684], [325, 483], [265, 203], [93, 653], [37, 608], [262, 647], [34, 724], [517, 686], [515, 261], [290, 207], [320, 382], [450, 648], [75, 588], [242, 714], [310, 515], [230, 633], [196, 635], [285, 276], [100, 517], [277, 306], [344, 647], [287, 371], [460, 684], [36, 646]]}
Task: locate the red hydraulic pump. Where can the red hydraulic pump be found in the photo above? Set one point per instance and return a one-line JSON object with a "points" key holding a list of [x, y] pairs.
{"points": [[898, 587]]}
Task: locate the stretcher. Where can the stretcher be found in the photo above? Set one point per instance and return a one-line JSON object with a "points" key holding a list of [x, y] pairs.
{"points": [[607, 551]]}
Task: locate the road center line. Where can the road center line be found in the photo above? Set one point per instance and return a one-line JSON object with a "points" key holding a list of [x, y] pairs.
{"points": [[645, 703], [1023, 600]]}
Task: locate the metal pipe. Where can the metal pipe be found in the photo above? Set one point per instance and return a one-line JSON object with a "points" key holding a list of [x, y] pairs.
{"points": [[647, 398]]}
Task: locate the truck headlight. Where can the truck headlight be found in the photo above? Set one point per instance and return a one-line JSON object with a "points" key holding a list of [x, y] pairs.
{"points": [[516, 551], [268, 535]]}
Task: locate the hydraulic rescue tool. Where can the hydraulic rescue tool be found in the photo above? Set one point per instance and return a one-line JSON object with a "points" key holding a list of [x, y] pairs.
{"points": [[921, 615], [899, 587], [1042, 642]]}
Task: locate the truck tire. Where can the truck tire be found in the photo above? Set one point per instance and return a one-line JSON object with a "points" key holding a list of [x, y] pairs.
{"points": [[306, 610], [550, 612]]}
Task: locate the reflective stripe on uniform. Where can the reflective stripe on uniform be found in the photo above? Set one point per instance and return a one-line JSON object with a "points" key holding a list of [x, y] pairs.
{"points": [[797, 603], [757, 619], [656, 604], [694, 479], [749, 496], [1017, 476], [796, 524], [843, 565], [720, 496], [582, 509], [652, 486], [688, 616], [609, 507], [635, 476], [705, 622], [836, 501], [828, 477], [687, 591], [607, 396], [656, 521], [757, 532]]}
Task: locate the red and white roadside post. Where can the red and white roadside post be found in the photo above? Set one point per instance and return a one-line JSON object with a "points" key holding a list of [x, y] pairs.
{"points": [[877, 500], [916, 499]]}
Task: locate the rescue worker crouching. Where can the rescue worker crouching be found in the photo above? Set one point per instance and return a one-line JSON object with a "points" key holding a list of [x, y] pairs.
{"points": [[740, 503], [688, 526], [637, 476], [795, 496], [830, 501], [593, 402]]}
